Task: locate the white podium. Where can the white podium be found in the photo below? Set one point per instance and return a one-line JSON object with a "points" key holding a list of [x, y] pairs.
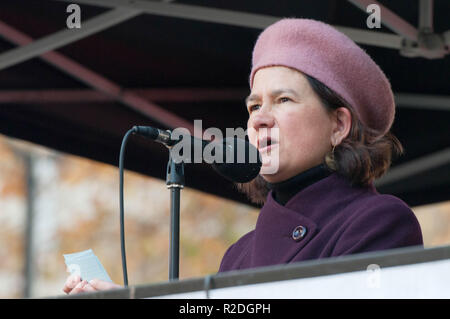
{"points": [[412, 272]]}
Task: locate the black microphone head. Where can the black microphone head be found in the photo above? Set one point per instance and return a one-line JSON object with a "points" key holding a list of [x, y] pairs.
{"points": [[147, 131], [242, 161]]}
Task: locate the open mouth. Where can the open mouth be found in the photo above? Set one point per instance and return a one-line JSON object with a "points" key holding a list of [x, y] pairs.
{"points": [[265, 144]]}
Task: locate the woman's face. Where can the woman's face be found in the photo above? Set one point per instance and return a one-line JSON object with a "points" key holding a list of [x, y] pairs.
{"points": [[283, 103]]}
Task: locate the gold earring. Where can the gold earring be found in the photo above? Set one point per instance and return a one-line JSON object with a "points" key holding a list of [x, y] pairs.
{"points": [[329, 159]]}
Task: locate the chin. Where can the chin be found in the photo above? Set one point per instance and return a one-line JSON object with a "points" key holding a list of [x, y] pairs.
{"points": [[283, 173], [272, 178], [274, 171]]}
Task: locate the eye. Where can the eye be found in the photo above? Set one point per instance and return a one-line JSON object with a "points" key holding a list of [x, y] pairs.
{"points": [[253, 107], [284, 99]]}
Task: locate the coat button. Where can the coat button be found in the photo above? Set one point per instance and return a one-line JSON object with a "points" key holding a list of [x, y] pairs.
{"points": [[298, 233]]}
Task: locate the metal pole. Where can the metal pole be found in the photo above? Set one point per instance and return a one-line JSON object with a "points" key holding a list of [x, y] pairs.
{"points": [[390, 19], [236, 18], [30, 185], [174, 182], [426, 16], [65, 36], [99, 82], [174, 258]]}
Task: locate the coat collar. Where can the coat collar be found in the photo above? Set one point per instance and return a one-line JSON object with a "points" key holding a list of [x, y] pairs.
{"points": [[283, 191], [334, 188]]}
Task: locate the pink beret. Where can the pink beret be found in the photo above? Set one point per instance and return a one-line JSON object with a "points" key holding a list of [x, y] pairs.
{"points": [[319, 50]]}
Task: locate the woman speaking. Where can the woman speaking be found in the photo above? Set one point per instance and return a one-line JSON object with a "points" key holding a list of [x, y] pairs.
{"points": [[332, 108]]}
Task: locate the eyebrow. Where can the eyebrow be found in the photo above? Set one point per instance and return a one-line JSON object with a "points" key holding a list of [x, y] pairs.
{"points": [[273, 93]]}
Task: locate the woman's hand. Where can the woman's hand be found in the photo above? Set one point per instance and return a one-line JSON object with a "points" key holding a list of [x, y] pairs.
{"points": [[74, 285], [98, 284]]}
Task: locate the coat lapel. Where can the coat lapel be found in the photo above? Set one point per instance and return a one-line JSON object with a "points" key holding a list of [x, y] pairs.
{"points": [[273, 241]]}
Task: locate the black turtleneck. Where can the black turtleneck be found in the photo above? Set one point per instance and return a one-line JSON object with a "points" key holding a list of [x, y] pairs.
{"points": [[285, 190]]}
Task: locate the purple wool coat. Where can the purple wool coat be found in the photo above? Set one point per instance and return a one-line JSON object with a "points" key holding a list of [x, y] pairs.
{"points": [[328, 218]]}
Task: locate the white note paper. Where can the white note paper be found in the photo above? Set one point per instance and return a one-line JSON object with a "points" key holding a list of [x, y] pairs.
{"points": [[86, 265]]}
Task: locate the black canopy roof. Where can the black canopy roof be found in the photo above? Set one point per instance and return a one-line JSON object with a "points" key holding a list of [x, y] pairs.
{"points": [[196, 66]]}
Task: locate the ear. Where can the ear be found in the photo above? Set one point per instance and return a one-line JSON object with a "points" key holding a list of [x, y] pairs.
{"points": [[341, 126]]}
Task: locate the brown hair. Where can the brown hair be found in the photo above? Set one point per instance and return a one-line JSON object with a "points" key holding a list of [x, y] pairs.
{"points": [[361, 157]]}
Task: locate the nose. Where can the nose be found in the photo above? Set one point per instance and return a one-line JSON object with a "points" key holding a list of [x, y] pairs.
{"points": [[263, 119]]}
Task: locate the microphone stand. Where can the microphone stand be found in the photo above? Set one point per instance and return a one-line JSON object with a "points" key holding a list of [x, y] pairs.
{"points": [[174, 182]]}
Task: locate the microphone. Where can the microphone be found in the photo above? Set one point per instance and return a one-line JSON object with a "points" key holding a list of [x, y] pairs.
{"points": [[161, 136], [233, 158]]}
